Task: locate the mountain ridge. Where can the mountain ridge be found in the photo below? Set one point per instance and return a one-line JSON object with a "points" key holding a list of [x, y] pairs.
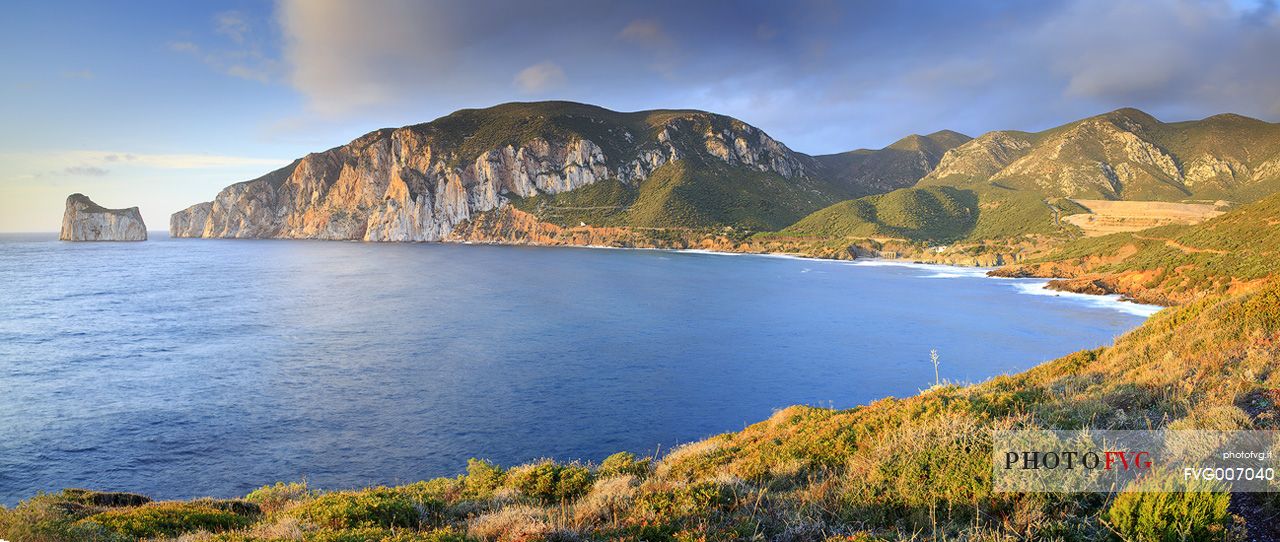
{"points": [[898, 165], [1125, 154], [693, 173], [417, 182]]}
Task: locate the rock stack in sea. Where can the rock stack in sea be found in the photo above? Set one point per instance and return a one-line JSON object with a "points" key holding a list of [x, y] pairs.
{"points": [[85, 220]]}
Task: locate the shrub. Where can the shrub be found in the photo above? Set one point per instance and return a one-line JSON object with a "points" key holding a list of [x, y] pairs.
{"points": [[104, 498], [482, 478], [49, 518], [623, 463], [549, 481], [378, 534], [1155, 512], [167, 519], [377, 507], [275, 497]]}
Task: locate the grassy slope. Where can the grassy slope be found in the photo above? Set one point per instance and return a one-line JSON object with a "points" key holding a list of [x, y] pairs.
{"points": [[895, 469], [936, 214], [901, 164], [688, 193], [1177, 263]]}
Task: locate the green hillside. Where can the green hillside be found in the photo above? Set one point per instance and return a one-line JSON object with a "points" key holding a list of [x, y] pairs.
{"points": [[690, 193], [900, 165], [1173, 263], [938, 214]]}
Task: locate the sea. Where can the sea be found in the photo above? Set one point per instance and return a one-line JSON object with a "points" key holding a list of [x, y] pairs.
{"points": [[182, 368]]}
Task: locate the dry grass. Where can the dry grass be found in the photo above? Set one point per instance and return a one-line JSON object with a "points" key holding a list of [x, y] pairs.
{"points": [[512, 524]]}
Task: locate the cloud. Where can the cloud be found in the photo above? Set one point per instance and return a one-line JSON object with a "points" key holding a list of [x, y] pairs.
{"points": [[540, 77], [765, 32], [87, 171], [90, 162], [646, 32], [232, 24], [1193, 55], [184, 47], [822, 76], [244, 58]]}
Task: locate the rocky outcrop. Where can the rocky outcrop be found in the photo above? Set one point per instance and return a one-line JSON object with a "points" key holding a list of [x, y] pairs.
{"points": [[190, 222], [85, 220], [1126, 154], [418, 183]]}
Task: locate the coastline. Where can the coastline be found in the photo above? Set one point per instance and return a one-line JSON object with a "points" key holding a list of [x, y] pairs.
{"points": [[1040, 286], [1034, 285]]}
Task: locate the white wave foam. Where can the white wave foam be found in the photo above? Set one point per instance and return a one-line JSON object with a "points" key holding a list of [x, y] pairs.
{"points": [[938, 271], [1024, 286], [1037, 287]]}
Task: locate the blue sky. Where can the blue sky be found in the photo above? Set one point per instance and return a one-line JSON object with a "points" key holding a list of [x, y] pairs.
{"points": [[161, 104]]}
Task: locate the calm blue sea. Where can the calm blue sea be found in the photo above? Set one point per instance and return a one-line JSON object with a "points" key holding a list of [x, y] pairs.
{"points": [[184, 368]]}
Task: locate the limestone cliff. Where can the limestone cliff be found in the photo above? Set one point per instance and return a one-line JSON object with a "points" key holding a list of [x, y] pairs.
{"points": [[85, 220], [418, 183]]}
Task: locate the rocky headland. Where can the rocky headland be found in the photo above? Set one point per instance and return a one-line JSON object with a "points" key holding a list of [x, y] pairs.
{"points": [[85, 220]]}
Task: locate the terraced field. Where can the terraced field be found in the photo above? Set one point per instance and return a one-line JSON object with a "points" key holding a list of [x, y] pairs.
{"points": [[1107, 216]]}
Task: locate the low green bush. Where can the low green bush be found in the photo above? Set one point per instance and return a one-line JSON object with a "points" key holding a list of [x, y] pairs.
{"points": [[51, 518], [274, 497], [376, 507], [482, 478], [167, 519], [623, 463], [1157, 512], [549, 481], [378, 534], [104, 498]]}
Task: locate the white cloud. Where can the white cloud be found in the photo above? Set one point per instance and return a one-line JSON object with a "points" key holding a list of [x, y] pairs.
{"points": [[91, 162], [1143, 53], [244, 58], [87, 171], [645, 32], [350, 55], [540, 77], [232, 24], [183, 47], [822, 76]]}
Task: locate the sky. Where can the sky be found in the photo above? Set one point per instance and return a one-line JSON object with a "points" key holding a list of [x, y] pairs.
{"points": [[161, 104]]}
